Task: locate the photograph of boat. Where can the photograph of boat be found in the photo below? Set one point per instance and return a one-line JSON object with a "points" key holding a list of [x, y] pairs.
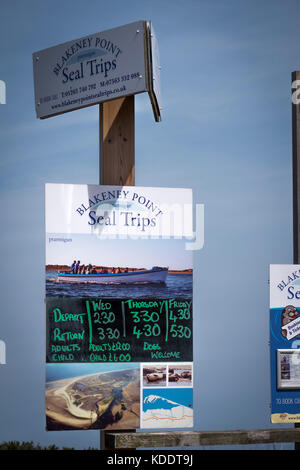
{"points": [[132, 245], [84, 266], [154, 275], [92, 396]]}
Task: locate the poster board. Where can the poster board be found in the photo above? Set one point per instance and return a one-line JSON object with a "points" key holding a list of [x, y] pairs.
{"points": [[284, 343], [119, 334], [96, 68]]}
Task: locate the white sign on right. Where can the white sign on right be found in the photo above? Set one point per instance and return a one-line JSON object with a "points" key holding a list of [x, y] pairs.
{"points": [[285, 342]]}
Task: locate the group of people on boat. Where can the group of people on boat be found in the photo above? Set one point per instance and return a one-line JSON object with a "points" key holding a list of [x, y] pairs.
{"points": [[77, 268]]}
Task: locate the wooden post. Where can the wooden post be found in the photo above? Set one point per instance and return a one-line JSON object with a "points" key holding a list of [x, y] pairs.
{"points": [[116, 147], [117, 142], [296, 188]]}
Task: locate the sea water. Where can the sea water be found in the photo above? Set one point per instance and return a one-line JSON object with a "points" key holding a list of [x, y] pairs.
{"points": [[176, 286]]}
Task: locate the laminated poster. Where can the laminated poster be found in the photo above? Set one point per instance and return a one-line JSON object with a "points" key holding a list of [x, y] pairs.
{"points": [[119, 307]]}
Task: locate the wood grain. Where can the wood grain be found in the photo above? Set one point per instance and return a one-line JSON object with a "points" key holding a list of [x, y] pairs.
{"points": [[117, 135], [199, 438]]}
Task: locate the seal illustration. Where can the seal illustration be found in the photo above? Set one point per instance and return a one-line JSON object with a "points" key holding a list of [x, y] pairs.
{"points": [[288, 314]]}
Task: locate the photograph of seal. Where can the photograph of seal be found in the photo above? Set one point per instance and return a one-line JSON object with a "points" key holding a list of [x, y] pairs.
{"points": [[288, 314]]}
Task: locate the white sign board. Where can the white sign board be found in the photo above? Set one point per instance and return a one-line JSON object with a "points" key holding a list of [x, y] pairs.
{"points": [[90, 70], [111, 210], [119, 309]]}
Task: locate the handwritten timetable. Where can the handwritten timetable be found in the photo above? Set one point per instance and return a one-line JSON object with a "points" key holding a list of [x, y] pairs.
{"points": [[118, 330]]}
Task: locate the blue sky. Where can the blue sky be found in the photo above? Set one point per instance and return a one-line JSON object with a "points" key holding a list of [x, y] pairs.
{"points": [[131, 253], [226, 133]]}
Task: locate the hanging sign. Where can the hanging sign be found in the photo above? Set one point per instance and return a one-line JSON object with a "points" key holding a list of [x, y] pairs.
{"points": [[119, 307], [97, 68], [285, 343], [154, 71]]}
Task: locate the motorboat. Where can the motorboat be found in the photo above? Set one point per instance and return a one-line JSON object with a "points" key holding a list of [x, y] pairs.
{"points": [[154, 275]]}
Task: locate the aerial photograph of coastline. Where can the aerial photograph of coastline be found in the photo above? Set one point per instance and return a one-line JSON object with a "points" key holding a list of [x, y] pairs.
{"points": [[92, 396]]}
